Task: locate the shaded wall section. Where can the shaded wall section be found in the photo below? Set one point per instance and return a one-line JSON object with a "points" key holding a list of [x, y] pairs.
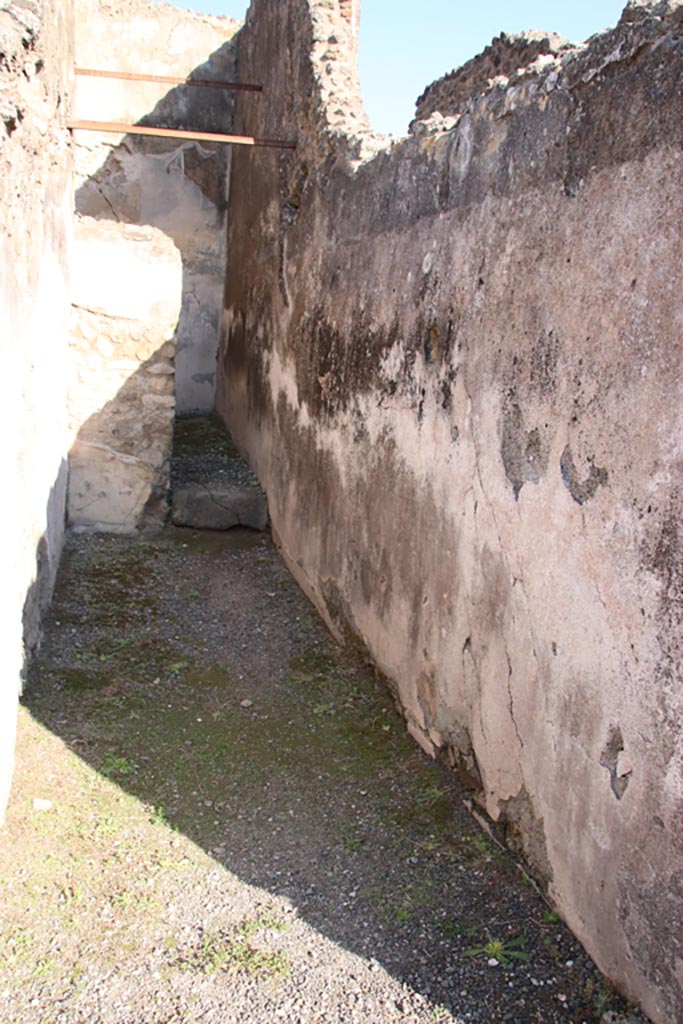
{"points": [[455, 366], [35, 199], [178, 187]]}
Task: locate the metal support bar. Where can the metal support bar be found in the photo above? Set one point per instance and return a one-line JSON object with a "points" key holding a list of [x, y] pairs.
{"points": [[130, 76], [176, 133]]}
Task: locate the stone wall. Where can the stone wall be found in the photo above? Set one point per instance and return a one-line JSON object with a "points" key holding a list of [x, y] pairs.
{"points": [[178, 187], [126, 293], [508, 60], [455, 367], [35, 199]]}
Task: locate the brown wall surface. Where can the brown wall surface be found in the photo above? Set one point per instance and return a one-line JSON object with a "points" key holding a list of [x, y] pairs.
{"points": [[455, 366], [36, 189]]}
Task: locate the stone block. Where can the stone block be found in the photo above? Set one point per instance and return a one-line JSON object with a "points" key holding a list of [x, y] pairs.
{"points": [[108, 491], [218, 505]]}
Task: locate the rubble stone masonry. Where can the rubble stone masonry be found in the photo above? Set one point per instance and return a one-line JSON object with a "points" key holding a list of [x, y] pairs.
{"points": [[126, 298]]}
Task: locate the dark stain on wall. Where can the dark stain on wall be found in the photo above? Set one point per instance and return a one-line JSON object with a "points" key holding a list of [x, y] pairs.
{"points": [[331, 373], [609, 759], [663, 557], [460, 754], [667, 562], [524, 452], [239, 362], [524, 832], [203, 166], [581, 490], [543, 363]]}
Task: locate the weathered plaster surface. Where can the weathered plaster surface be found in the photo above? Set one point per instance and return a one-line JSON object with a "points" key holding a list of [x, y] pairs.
{"points": [[35, 199], [126, 295], [179, 188], [456, 369]]}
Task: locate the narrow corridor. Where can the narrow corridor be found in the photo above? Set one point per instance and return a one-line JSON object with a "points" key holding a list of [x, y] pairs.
{"points": [[218, 817]]}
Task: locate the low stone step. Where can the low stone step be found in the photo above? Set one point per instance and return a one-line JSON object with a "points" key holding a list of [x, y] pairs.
{"points": [[219, 505]]}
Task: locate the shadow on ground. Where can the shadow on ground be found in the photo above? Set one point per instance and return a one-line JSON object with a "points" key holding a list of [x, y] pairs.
{"points": [[239, 827]]}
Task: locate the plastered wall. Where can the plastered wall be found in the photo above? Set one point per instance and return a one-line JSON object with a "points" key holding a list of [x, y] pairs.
{"points": [[454, 362], [177, 187], [35, 198]]}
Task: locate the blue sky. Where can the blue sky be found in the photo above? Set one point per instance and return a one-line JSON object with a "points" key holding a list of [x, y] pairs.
{"points": [[405, 46]]}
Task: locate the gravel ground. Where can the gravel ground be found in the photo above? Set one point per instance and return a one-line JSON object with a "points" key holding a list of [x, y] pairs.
{"points": [[203, 451], [218, 817]]}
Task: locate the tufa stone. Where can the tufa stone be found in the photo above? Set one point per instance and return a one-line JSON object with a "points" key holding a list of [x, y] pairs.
{"points": [[219, 506]]}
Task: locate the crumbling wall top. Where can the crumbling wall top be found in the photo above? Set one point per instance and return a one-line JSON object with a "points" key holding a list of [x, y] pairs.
{"points": [[321, 36], [508, 57], [517, 69]]}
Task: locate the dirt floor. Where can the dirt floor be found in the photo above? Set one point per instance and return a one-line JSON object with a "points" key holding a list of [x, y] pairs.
{"points": [[218, 817]]}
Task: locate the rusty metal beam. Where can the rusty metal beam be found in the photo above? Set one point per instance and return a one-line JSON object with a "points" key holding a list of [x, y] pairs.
{"points": [[176, 133], [130, 76]]}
